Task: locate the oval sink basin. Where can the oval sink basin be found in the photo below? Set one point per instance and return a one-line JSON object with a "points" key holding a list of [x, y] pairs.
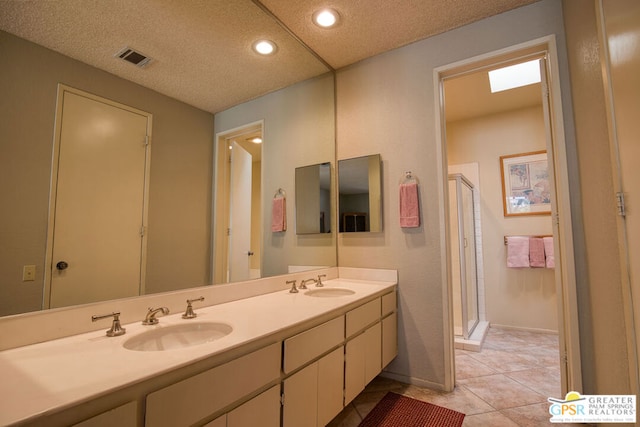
{"points": [[329, 292], [177, 336]]}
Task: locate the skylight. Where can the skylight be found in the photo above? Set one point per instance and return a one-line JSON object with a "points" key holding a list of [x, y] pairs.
{"points": [[514, 76]]}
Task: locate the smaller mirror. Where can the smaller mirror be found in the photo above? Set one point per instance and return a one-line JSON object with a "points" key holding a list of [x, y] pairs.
{"points": [[360, 194], [313, 199]]}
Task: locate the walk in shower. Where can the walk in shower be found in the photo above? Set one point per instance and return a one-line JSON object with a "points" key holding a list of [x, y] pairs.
{"points": [[464, 273]]}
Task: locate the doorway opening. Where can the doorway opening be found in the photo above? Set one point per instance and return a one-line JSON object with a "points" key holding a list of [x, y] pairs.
{"points": [[472, 143], [238, 210]]}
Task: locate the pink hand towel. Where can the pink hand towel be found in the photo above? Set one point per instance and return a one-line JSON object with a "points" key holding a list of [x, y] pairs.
{"points": [[409, 205], [279, 214], [517, 251], [536, 252], [548, 252]]}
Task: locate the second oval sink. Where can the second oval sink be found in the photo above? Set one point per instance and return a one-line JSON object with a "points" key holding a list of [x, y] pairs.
{"points": [[177, 336], [329, 292]]}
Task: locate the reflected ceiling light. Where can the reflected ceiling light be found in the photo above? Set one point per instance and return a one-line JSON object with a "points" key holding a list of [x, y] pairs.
{"points": [[256, 140], [264, 47], [515, 76], [326, 18]]}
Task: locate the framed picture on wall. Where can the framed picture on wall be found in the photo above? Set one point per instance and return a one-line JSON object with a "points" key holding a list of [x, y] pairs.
{"points": [[525, 184]]}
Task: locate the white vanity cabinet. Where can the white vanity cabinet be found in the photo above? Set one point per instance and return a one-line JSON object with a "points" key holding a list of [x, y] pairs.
{"points": [[363, 349], [193, 399], [318, 387], [296, 362], [313, 395]]}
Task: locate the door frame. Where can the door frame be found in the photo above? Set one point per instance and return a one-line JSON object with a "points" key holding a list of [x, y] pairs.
{"points": [[565, 275], [55, 160], [220, 208]]}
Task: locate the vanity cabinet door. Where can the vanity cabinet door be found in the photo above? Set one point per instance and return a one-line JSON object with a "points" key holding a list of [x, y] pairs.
{"points": [[314, 395], [263, 410], [389, 339], [122, 416], [330, 386], [363, 361], [301, 398]]}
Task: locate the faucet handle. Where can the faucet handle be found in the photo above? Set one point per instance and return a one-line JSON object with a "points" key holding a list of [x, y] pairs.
{"points": [[189, 313], [319, 283], [116, 328], [293, 289]]}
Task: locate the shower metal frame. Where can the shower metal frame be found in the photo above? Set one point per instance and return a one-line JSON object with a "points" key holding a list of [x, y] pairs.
{"points": [[460, 179]]}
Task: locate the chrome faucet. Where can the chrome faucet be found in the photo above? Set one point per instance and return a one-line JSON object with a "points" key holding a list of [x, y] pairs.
{"points": [[303, 284], [150, 318], [319, 284]]}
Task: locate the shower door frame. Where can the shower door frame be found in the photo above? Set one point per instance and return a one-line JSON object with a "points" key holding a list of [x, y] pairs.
{"points": [[460, 180]]}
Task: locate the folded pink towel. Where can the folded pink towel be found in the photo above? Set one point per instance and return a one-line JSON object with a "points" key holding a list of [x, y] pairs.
{"points": [[536, 252], [517, 251], [279, 214], [409, 205], [548, 252]]}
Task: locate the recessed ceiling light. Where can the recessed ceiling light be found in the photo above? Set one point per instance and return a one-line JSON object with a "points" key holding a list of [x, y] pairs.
{"points": [[514, 76], [326, 18], [264, 47], [256, 140]]}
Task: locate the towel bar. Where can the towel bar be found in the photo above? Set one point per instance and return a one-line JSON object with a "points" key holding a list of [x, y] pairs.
{"points": [[539, 236]]}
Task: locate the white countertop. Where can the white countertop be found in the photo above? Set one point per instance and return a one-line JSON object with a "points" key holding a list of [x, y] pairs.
{"points": [[54, 375]]}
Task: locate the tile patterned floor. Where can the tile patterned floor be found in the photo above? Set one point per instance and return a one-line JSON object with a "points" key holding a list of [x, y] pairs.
{"points": [[506, 384]]}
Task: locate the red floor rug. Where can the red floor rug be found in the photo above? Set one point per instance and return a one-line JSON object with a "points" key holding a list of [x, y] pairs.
{"points": [[395, 410]]}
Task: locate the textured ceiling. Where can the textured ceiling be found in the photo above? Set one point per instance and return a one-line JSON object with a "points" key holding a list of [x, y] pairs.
{"points": [[202, 48], [370, 27]]}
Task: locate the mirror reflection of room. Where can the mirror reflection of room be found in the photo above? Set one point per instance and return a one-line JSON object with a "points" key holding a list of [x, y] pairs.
{"points": [[360, 194], [313, 199]]}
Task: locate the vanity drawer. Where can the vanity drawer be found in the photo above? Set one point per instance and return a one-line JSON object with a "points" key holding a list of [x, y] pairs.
{"points": [[190, 400], [309, 345], [361, 317], [389, 303]]}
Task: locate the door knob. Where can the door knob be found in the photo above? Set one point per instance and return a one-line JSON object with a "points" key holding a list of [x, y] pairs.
{"points": [[62, 265], [250, 253]]}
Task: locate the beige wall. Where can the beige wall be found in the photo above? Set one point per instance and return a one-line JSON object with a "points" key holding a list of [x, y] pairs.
{"points": [[523, 298], [386, 105], [298, 131], [180, 186], [602, 328]]}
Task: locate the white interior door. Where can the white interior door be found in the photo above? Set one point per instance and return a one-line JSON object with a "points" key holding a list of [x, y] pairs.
{"points": [[621, 29], [240, 215], [97, 243]]}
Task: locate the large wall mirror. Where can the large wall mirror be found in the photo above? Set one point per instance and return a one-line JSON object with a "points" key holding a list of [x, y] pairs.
{"points": [[360, 194], [181, 212]]}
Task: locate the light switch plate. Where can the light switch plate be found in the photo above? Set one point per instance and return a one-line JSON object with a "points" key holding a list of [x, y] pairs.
{"points": [[28, 273]]}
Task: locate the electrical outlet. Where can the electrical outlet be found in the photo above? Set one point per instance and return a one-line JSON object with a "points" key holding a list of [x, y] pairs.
{"points": [[28, 273]]}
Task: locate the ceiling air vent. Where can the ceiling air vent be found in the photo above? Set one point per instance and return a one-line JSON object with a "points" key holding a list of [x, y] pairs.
{"points": [[136, 58]]}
